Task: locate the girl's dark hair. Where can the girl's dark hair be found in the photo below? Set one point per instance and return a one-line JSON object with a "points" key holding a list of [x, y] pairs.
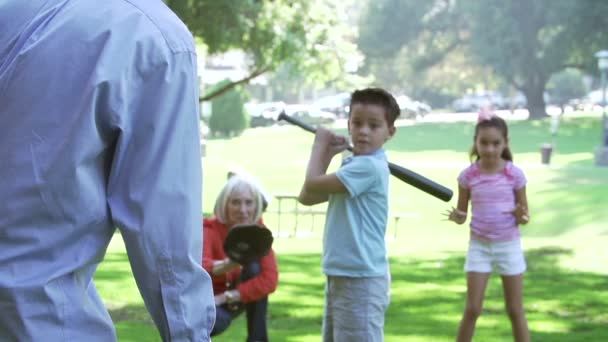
{"points": [[377, 96], [498, 123]]}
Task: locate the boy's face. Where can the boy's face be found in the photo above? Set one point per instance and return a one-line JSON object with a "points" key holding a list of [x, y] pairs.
{"points": [[368, 128]]}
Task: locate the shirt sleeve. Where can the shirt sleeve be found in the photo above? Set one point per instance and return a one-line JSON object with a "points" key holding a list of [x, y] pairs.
{"points": [[154, 194], [358, 175], [464, 178], [519, 177], [264, 283]]}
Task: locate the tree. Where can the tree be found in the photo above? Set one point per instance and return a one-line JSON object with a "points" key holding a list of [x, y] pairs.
{"points": [[524, 42], [308, 34], [565, 86], [410, 47], [227, 112]]}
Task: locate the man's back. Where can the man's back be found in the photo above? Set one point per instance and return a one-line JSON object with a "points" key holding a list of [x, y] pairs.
{"points": [[92, 135]]}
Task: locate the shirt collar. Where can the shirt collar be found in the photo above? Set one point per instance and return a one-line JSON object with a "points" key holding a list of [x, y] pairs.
{"points": [[379, 153]]}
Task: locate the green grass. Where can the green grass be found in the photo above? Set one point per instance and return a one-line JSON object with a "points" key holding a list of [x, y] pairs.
{"points": [[566, 283]]}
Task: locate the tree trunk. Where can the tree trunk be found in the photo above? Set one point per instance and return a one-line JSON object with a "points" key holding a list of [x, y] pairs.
{"points": [[534, 91]]}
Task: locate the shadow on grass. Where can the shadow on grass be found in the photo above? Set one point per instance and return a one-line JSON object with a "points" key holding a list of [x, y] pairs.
{"points": [[428, 299], [582, 204], [426, 303]]}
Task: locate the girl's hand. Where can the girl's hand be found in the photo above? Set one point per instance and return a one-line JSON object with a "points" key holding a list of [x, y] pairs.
{"points": [[521, 214], [455, 215]]}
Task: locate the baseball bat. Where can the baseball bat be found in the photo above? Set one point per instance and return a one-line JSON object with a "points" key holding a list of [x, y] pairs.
{"points": [[405, 175]]}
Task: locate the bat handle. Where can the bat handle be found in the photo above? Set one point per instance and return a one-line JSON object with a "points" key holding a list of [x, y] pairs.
{"points": [[302, 125], [294, 121]]}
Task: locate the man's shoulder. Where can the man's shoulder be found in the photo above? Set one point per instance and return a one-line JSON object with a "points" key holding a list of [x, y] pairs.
{"points": [[174, 32]]}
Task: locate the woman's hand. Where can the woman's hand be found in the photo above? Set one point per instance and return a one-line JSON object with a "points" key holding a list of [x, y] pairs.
{"points": [[220, 299], [228, 297], [222, 266], [521, 214], [455, 215]]}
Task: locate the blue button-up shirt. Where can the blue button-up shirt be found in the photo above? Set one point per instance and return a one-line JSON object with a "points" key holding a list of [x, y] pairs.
{"points": [[98, 129]]}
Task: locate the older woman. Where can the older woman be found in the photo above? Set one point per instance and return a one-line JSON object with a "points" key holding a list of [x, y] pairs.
{"points": [[238, 288]]}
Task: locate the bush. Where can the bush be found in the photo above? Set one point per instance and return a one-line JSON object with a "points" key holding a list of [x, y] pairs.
{"points": [[228, 116], [566, 85]]}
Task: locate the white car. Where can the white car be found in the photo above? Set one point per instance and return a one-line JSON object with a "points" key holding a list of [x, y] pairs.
{"points": [[264, 114], [310, 114], [411, 108]]}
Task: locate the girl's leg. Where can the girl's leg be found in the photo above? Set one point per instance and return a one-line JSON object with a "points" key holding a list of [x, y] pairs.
{"points": [[513, 290], [476, 289]]}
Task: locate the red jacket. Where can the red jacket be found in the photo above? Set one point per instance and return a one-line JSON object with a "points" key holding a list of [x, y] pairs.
{"points": [[214, 234]]}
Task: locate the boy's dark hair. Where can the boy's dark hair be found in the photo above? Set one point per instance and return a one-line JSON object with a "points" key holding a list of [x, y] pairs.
{"points": [[498, 123], [377, 96]]}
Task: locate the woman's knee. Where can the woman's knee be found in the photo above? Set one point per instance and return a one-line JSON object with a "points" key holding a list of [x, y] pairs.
{"points": [[223, 318]]}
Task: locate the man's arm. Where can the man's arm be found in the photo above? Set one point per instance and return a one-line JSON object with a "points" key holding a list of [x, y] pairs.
{"points": [[155, 196]]}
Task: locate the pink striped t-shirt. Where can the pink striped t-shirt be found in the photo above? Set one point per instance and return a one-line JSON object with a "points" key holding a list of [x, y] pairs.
{"points": [[491, 196]]}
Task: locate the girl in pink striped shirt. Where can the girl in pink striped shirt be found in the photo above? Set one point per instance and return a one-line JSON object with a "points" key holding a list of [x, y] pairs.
{"points": [[496, 189]]}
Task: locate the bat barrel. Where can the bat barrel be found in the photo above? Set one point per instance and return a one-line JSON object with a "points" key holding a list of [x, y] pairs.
{"points": [[420, 182]]}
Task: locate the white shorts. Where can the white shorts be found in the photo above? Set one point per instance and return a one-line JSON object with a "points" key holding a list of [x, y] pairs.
{"points": [[506, 256]]}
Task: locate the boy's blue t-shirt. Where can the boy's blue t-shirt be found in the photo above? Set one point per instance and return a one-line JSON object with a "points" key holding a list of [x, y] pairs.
{"points": [[353, 239]]}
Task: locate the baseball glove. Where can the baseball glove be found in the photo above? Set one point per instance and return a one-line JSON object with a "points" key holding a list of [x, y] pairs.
{"points": [[247, 242]]}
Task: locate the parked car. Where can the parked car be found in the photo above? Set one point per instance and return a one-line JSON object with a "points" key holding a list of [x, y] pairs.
{"points": [[474, 102], [337, 104], [264, 114], [411, 108], [310, 114], [595, 97]]}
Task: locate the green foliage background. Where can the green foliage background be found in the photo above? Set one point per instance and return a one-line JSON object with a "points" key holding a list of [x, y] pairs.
{"points": [[228, 116]]}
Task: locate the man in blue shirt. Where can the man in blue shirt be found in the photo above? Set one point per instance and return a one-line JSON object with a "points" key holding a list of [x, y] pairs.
{"points": [[99, 112]]}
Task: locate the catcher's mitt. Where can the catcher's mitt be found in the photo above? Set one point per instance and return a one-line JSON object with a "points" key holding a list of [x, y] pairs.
{"points": [[247, 242]]}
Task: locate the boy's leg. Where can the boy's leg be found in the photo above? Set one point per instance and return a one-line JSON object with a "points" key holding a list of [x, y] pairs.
{"points": [[357, 308], [328, 322], [513, 291], [476, 289]]}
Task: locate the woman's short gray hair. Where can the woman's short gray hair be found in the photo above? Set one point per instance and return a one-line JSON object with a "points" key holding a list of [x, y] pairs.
{"points": [[237, 183]]}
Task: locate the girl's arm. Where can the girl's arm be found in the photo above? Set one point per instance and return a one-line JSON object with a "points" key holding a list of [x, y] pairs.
{"points": [[318, 184], [521, 211], [459, 214]]}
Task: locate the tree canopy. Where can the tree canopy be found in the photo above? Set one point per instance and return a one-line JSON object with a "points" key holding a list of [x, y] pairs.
{"points": [[310, 35], [523, 42]]}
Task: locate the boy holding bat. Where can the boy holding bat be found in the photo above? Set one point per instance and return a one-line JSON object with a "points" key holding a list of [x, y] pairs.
{"points": [[354, 252]]}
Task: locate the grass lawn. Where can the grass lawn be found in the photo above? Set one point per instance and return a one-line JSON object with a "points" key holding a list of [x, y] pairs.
{"points": [[566, 290]]}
